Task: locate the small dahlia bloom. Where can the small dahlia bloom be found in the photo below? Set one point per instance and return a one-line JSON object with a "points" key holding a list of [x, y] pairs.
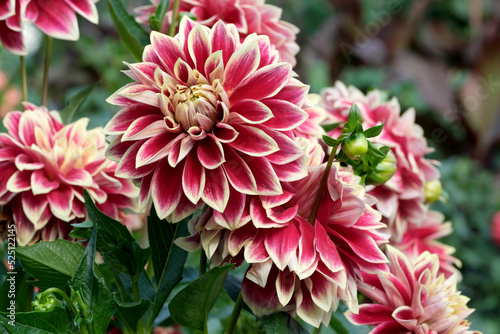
{"points": [[414, 298], [56, 18], [45, 167], [249, 16], [296, 266], [311, 128], [207, 116], [402, 197], [423, 237]]}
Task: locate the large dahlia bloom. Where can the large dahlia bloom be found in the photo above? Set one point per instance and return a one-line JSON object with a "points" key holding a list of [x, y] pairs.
{"points": [[296, 266], [45, 167], [402, 197], [412, 299], [207, 116], [56, 18], [423, 237], [249, 16]]}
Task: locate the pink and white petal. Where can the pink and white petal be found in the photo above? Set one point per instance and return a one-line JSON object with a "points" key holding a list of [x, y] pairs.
{"points": [[85, 8], [165, 186], [23, 162], [180, 150], [285, 285], [25, 230], [144, 191], [371, 314], [307, 310], [267, 181], [13, 41], [140, 93], [262, 301], [287, 116], [322, 291], [360, 243], [269, 202], [259, 216], [216, 192], [265, 82], [210, 153], [288, 149], [41, 184], [199, 46], [307, 251], [193, 179], [156, 148], [183, 210], [292, 171], [240, 237], [222, 40], [253, 141], [281, 244], [7, 8], [19, 181], [61, 202], [327, 249], [224, 133], [78, 177], [125, 117], [255, 251], [34, 207], [126, 168], [242, 63], [57, 19], [231, 217], [238, 172], [294, 92], [250, 111], [144, 127], [167, 49], [143, 73]]}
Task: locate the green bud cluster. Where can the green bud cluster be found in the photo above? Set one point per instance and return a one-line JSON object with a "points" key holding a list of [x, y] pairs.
{"points": [[44, 303]]}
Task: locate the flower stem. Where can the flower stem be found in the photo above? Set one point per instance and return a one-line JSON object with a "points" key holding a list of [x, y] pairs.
{"points": [[64, 296], [234, 316], [173, 24], [24, 80], [203, 262], [48, 52], [317, 330], [322, 186]]}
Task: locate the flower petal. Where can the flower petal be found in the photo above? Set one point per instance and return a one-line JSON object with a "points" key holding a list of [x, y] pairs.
{"points": [[216, 192], [210, 153], [165, 186], [193, 179]]}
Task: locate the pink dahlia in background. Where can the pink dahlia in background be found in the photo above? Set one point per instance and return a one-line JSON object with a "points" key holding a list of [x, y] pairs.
{"points": [[249, 16], [206, 117], [423, 237], [45, 167], [412, 299], [10, 95], [402, 197], [495, 228], [296, 266], [56, 18], [311, 128]]}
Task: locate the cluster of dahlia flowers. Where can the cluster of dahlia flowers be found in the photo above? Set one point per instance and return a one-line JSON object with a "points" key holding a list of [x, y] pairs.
{"points": [[214, 119]]}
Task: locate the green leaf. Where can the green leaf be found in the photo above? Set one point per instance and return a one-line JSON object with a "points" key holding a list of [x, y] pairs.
{"points": [[161, 237], [160, 13], [331, 127], [83, 278], [23, 288], [354, 118], [190, 307], [102, 306], [115, 243], [134, 36], [172, 273], [337, 325], [56, 321], [331, 142], [74, 103], [51, 263], [374, 152], [130, 313], [374, 131], [280, 323]]}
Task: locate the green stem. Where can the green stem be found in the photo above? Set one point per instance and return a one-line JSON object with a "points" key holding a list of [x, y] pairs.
{"points": [[135, 288], [322, 186], [203, 262], [24, 80], [64, 296], [48, 52], [29, 297], [173, 24], [234, 316]]}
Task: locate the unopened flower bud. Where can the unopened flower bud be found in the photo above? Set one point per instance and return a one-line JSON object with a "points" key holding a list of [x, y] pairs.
{"points": [[383, 171], [432, 191], [355, 146]]}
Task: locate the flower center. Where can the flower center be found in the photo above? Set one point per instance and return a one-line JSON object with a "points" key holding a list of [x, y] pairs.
{"points": [[195, 106]]}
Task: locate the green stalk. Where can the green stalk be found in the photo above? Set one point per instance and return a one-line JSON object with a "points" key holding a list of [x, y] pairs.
{"points": [[173, 25], [234, 316], [24, 80], [48, 52], [322, 186]]}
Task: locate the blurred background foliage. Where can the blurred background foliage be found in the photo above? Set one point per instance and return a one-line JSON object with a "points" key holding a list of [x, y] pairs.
{"points": [[440, 57]]}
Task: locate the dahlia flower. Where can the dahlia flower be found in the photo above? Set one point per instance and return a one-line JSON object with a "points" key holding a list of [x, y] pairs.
{"points": [[249, 16], [311, 128], [423, 237], [56, 18], [402, 197], [413, 298], [296, 266], [45, 167], [206, 117]]}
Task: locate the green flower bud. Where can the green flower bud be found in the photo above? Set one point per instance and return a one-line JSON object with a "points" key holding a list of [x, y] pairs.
{"points": [[355, 146], [432, 191], [383, 171]]}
